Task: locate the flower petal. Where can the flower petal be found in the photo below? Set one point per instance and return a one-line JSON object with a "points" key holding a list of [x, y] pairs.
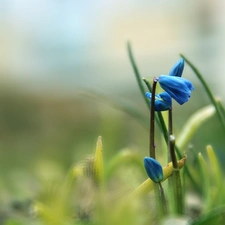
{"points": [[163, 101], [177, 69], [189, 84], [177, 87], [166, 98]]}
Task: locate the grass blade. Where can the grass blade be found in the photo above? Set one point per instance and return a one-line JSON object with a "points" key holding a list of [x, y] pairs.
{"points": [[207, 89]]}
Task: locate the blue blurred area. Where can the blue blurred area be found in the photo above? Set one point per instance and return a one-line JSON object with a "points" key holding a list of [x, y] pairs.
{"points": [[76, 44]]}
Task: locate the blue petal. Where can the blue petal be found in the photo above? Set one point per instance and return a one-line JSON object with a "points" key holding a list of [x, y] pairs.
{"points": [[163, 101], [153, 169], [161, 106], [189, 84], [177, 87], [166, 98], [148, 95], [177, 69]]}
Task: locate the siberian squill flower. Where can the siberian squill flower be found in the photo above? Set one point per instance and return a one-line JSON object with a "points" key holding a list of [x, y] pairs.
{"points": [[178, 88], [163, 101], [153, 169]]}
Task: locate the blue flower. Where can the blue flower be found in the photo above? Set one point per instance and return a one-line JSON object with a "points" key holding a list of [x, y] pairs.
{"points": [[163, 101], [177, 69], [153, 169], [177, 87]]}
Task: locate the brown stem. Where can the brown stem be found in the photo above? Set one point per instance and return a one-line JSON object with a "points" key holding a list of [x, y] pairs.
{"points": [[152, 121]]}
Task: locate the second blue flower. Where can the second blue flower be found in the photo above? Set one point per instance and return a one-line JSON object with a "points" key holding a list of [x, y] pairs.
{"points": [[163, 101]]}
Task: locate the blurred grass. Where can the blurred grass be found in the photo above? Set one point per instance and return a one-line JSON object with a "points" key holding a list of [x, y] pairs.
{"points": [[63, 129], [43, 135]]}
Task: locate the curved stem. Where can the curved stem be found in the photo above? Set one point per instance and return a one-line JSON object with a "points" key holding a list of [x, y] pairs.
{"points": [[177, 187], [163, 198], [170, 132], [158, 117], [152, 122]]}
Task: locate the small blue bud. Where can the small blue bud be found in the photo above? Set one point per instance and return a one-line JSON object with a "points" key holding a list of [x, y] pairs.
{"points": [[163, 101], [177, 87], [177, 69], [153, 169]]}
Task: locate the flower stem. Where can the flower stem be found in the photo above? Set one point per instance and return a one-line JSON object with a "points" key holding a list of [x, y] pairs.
{"points": [[170, 132], [158, 116], [175, 180], [178, 195], [163, 199], [172, 151], [152, 121]]}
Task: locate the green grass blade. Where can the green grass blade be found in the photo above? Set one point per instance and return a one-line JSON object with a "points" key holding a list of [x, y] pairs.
{"points": [[120, 104], [207, 89], [159, 118], [215, 217], [193, 123], [136, 73]]}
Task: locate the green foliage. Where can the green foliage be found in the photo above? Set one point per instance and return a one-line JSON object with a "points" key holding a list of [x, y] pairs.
{"points": [[215, 216], [110, 186]]}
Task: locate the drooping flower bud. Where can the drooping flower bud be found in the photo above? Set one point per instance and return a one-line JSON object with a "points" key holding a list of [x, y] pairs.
{"points": [[153, 169], [178, 88]]}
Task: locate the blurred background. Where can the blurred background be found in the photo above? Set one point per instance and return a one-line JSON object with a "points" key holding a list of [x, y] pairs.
{"points": [[65, 78]]}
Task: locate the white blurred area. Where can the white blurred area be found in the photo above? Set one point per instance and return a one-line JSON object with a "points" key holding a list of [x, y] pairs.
{"points": [[69, 45]]}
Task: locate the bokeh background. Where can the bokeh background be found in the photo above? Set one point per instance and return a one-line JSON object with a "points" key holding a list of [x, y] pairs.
{"points": [[65, 78]]}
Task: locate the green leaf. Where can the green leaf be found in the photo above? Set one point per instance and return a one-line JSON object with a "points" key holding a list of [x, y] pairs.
{"points": [[214, 217], [193, 123], [220, 115]]}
